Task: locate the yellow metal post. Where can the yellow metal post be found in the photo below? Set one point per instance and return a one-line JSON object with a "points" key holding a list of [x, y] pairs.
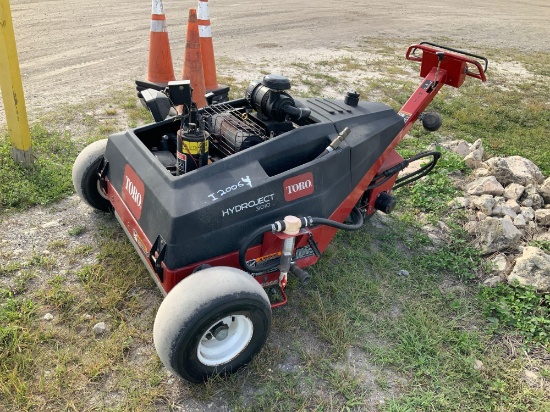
{"points": [[12, 89]]}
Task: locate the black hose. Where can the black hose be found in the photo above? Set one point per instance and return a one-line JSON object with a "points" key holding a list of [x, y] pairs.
{"points": [[242, 251], [383, 177], [417, 174], [357, 222], [377, 182]]}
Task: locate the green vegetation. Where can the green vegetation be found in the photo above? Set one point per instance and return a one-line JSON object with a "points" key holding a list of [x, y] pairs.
{"points": [[46, 181], [510, 120], [544, 245], [55, 146], [521, 308], [391, 320], [50, 365], [433, 192], [77, 230]]}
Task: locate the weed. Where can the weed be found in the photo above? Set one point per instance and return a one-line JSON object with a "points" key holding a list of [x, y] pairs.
{"points": [[39, 359], [42, 261], [16, 339], [107, 129], [544, 245], [111, 111], [9, 267], [54, 148], [77, 230], [521, 308], [432, 193], [59, 297], [20, 282], [83, 250], [57, 244], [456, 257]]}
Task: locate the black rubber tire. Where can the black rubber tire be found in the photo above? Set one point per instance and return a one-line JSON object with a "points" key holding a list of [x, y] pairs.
{"points": [[195, 304], [85, 179]]}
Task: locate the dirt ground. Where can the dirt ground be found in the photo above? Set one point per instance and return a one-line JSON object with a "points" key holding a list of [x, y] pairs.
{"points": [[72, 50]]}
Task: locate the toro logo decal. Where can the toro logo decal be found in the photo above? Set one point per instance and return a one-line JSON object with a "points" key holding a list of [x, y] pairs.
{"points": [[298, 186], [132, 191]]}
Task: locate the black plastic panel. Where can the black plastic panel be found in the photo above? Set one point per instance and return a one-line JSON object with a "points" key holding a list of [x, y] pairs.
{"points": [[207, 212]]}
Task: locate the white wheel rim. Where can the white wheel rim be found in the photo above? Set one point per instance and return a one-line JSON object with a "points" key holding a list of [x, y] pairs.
{"points": [[225, 340]]}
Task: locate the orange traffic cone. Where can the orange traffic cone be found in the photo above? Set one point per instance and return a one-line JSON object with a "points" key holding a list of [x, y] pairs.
{"points": [[192, 60], [207, 47], [160, 69]]}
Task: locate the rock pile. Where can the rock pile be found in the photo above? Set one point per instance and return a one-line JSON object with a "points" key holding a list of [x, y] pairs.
{"points": [[508, 205]]}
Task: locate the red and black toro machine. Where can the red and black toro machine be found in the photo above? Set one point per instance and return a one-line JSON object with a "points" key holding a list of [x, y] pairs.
{"points": [[225, 201]]}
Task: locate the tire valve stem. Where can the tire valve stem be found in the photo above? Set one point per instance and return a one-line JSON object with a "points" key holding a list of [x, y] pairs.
{"points": [[292, 228]]}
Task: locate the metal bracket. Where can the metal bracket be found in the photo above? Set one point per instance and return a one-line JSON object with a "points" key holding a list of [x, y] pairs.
{"points": [[313, 245], [102, 172], [156, 256]]}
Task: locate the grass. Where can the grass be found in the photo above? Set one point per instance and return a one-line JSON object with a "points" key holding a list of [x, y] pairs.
{"points": [[77, 230], [359, 337], [47, 364], [521, 308], [509, 121], [55, 147], [46, 181]]}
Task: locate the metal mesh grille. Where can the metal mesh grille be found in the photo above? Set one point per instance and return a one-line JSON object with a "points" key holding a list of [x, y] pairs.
{"points": [[230, 127]]}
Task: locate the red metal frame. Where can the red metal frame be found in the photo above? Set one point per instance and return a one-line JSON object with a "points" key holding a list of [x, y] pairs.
{"points": [[451, 71]]}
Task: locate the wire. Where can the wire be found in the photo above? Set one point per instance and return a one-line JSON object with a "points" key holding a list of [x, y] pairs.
{"points": [[356, 215], [417, 174], [383, 177], [189, 152]]}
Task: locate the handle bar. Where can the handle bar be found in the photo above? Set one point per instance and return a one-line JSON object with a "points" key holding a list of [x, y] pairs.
{"points": [[456, 54]]}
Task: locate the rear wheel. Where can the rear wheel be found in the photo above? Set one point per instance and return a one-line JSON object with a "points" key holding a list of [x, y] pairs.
{"points": [[85, 177], [212, 323]]}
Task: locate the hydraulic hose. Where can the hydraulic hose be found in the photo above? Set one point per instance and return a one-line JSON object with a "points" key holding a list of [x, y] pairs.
{"points": [[247, 242], [411, 177], [423, 171], [357, 222], [356, 215]]}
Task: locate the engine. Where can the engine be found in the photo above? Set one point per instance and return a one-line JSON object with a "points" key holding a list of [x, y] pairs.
{"points": [[223, 129], [266, 111]]}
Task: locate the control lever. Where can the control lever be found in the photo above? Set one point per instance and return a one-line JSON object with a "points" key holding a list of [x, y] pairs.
{"points": [[440, 56]]}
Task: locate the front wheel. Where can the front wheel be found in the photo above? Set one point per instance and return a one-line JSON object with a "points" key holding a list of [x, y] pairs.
{"points": [[212, 323], [85, 175]]}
